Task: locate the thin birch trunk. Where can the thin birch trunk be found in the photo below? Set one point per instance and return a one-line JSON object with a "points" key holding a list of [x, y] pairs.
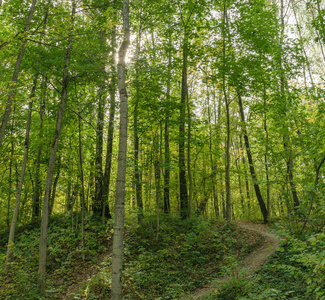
{"points": [[117, 256]]}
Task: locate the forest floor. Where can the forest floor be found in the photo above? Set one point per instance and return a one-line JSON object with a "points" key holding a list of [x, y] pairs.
{"points": [[250, 264], [196, 258]]}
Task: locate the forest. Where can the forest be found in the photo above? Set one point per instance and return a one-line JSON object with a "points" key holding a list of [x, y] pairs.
{"points": [[137, 135]]}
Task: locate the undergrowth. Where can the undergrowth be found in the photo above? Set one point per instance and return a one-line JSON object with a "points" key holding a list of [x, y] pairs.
{"points": [[182, 256], [64, 257], [185, 255], [296, 271]]}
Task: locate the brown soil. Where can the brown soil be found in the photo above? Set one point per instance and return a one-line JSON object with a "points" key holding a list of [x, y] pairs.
{"points": [[251, 263]]}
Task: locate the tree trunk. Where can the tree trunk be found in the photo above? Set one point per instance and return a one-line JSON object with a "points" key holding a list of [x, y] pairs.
{"points": [[266, 164], [12, 148], [182, 168], [228, 191], [56, 179], [98, 199], [157, 180], [13, 86], [167, 150], [22, 175], [110, 134], [45, 215], [117, 257], [138, 185], [240, 189], [37, 189], [227, 102], [82, 188], [189, 173], [251, 164], [213, 167]]}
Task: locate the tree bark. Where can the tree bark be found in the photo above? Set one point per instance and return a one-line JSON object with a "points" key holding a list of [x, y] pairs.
{"points": [[37, 188], [268, 202], [138, 185], [110, 134], [22, 175], [117, 256], [250, 161], [189, 172], [55, 183], [157, 180], [98, 199], [12, 148], [166, 140], [181, 162], [82, 188], [45, 215], [227, 103]]}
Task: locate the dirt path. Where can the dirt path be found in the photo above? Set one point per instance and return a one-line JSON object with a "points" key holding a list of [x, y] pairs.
{"points": [[251, 263]]}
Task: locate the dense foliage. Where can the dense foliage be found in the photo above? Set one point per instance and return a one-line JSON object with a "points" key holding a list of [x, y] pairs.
{"points": [[225, 120]]}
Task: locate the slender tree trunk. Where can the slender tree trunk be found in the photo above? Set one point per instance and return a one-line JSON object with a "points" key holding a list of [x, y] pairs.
{"points": [[167, 150], [110, 134], [14, 83], [182, 168], [12, 148], [138, 185], [293, 189], [67, 203], [266, 164], [213, 168], [98, 199], [228, 189], [167, 168], [240, 189], [218, 124], [248, 195], [117, 257], [37, 189], [250, 161], [82, 188], [55, 183], [227, 103], [45, 215], [22, 175], [157, 181], [189, 172]]}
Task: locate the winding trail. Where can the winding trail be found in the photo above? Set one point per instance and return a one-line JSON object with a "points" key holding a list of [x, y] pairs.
{"points": [[251, 263]]}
